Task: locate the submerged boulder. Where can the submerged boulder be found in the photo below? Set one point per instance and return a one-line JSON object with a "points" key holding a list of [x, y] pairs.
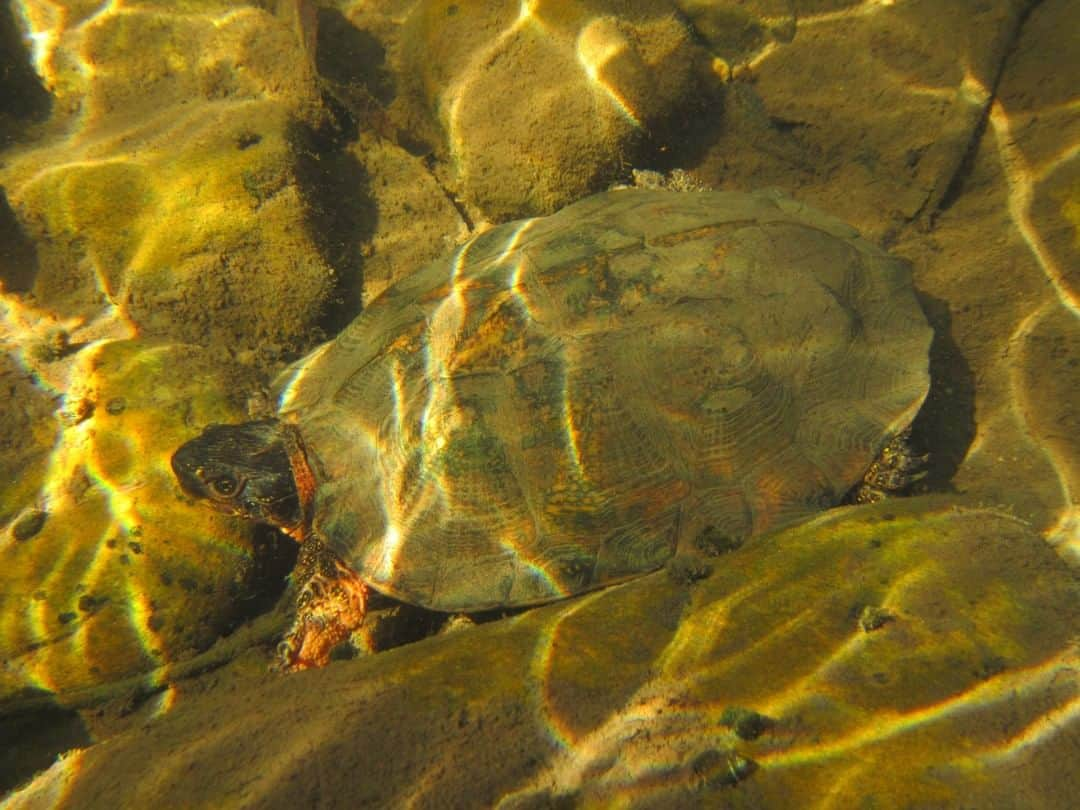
{"points": [[923, 653], [104, 570]]}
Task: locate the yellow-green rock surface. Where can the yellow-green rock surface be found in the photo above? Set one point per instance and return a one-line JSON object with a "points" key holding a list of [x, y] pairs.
{"points": [[963, 692], [165, 195], [105, 569], [539, 103], [163, 199]]}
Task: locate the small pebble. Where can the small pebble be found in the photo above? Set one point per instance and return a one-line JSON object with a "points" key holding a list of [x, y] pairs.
{"points": [[713, 768], [28, 524], [874, 618], [746, 723]]}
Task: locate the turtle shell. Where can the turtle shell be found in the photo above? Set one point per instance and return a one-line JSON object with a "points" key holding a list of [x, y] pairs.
{"points": [[562, 401]]}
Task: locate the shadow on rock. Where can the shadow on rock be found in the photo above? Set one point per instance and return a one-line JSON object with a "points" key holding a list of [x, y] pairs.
{"points": [[33, 739], [945, 427], [23, 99], [18, 256], [340, 214]]}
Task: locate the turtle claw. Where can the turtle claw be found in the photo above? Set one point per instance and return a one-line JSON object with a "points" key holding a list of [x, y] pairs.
{"points": [[331, 605]]}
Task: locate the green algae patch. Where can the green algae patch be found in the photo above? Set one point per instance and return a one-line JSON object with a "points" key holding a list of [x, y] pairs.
{"points": [[120, 573], [954, 590], [172, 202], [197, 235], [109, 205]]}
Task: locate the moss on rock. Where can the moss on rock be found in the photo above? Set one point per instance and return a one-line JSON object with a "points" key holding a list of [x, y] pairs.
{"points": [[624, 697], [120, 575]]}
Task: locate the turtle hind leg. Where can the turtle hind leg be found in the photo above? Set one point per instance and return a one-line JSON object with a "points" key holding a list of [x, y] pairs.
{"points": [[892, 473], [331, 604]]}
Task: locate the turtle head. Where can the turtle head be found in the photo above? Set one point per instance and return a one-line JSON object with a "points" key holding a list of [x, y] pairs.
{"points": [[242, 470]]}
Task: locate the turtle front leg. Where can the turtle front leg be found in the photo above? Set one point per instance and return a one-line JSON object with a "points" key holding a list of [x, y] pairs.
{"points": [[331, 604]]}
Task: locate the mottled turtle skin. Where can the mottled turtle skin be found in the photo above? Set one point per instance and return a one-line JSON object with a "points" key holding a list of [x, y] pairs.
{"points": [[567, 401]]}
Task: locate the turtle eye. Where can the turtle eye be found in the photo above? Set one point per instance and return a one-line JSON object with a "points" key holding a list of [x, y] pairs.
{"points": [[224, 486]]}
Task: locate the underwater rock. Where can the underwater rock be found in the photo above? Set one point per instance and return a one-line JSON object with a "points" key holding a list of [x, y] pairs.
{"points": [[867, 109], [166, 197], [622, 697], [1036, 132], [944, 131], [103, 573], [163, 198], [27, 432], [541, 103], [415, 220], [738, 30], [1002, 272]]}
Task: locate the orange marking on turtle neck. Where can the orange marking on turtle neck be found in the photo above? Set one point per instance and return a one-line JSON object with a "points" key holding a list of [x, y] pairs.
{"points": [[305, 483]]}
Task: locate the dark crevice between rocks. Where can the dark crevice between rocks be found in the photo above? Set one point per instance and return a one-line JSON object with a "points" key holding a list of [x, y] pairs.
{"points": [[965, 161], [33, 739], [340, 213], [23, 99], [686, 136], [429, 164], [18, 256], [273, 558], [353, 61], [964, 165], [352, 69]]}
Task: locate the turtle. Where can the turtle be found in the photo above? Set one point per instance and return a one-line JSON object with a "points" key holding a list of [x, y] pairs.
{"points": [[565, 402]]}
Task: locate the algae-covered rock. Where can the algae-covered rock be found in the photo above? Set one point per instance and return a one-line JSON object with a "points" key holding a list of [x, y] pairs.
{"points": [[141, 60], [172, 200], [631, 696], [415, 221], [26, 434], [540, 103], [104, 569]]}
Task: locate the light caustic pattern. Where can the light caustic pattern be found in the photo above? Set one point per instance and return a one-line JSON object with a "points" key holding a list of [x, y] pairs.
{"points": [[55, 27], [611, 703], [835, 732], [59, 177], [95, 592], [649, 744], [596, 44], [416, 420], [1016, 423], [119, 195], [1022, 179]]}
